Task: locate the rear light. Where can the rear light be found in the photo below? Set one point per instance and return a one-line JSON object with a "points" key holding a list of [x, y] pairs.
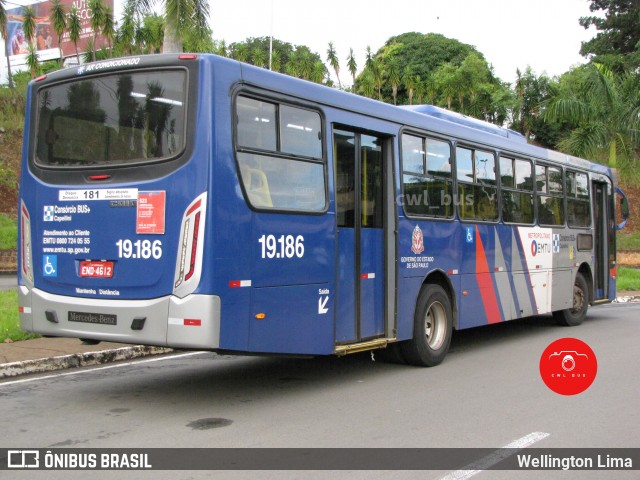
{"points": [[26, 252], [190, 248], [187, 56]]}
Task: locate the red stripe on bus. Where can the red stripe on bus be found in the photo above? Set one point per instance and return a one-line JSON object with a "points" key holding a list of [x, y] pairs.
{"points": [[487, 292], [193, 208]]}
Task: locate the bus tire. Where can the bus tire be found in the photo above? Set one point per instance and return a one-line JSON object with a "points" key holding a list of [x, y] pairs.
{"points": [[432, 328], [574, 316]]}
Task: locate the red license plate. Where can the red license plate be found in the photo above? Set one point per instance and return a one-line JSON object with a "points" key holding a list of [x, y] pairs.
{"points": [[96, 269]]}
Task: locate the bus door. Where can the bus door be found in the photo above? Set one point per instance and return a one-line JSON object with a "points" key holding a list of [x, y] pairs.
{"points": [[602, 217], [360, 167]]}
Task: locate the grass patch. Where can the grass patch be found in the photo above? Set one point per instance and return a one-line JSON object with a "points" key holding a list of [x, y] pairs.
{"points": [[9, 320], [628, 241], [628, 279], [8, 232]]}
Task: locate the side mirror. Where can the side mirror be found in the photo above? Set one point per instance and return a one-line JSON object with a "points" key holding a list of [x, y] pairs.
{"points": [[624, 208]]}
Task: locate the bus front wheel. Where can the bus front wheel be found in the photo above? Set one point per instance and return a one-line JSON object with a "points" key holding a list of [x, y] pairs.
{"points": [[574, 316], [432, 329]]}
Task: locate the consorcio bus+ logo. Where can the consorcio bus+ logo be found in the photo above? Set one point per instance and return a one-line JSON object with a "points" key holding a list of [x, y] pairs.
{"points": [[568, 366]]}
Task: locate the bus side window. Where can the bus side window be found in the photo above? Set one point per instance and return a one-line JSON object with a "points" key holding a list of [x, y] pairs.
{"points": [[279, 153], [517, 190], [550, 195], [477, 187]]}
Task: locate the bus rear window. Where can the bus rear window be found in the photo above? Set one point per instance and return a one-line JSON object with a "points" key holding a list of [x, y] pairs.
{"points": [[112, 119]]}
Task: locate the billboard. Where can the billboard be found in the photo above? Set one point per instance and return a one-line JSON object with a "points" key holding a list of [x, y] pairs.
{"points": [[45, 40]]}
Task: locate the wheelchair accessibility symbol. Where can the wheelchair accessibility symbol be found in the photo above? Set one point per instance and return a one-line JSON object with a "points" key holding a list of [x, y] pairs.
{"points": [[50, 266]]}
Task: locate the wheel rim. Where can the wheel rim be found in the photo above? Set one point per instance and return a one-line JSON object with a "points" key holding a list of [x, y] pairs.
{"points": [[435, 323], [578, 299]]}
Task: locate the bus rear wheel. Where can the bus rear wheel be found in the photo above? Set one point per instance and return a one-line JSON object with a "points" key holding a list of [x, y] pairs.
{"points": [[432, 329], [575, 315]]}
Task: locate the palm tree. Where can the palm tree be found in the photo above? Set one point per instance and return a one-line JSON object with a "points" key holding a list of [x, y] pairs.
{"points": [[32, 60], [58, 18], [98, 14], [276, 61], [332, 58], [74, 27], [318, 72], [352, 66], [108, 27], [409, 81], [374, 68], [259, 56], [394, 77], [180, 16], [606, 109], [29, 24], [367, 84], [305, 60], [126, 34], [446, 80], [5, 37]]}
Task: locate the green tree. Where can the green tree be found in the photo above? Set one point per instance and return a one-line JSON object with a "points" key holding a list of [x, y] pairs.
{"points": [[448, 82], [5, 37], [352, 66], [58, 19], [617, 43], [604, 106], [29, 24], [181, 17], [109, 27], [319, 72], [259, 57], [409, 82], [126, 34], [74, 27], [332, 58], [531, 93], [394, 77], [32, 61], [422, 54], [98, 15]]}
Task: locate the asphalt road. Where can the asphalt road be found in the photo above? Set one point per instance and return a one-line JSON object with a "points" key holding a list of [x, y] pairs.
{"points": [[487, 393]]}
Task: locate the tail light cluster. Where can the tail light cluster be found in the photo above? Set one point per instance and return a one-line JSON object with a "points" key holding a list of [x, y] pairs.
{"points": [[26, 263], [190, 248]]}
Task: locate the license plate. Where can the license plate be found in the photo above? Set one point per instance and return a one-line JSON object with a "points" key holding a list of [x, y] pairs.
{"points": [[96, 269], [97, 318]]}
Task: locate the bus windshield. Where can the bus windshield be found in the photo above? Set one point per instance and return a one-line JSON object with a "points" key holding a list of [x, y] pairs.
{"points": [[112, 119]]}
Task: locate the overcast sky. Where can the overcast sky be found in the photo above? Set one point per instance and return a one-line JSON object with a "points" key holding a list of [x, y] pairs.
{"points": [[544, 34]]}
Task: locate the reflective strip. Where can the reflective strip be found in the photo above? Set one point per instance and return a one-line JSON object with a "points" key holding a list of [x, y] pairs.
{"points": [[239, 283], [24, 309], [185, 322], [368, 275]]}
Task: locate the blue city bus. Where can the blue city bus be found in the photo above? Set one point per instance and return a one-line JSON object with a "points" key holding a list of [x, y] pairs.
{"points": [[196, 202]]}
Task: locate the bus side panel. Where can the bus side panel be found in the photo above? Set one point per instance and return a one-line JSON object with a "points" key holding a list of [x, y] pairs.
{"points": [[434, 245], [293, 321]]}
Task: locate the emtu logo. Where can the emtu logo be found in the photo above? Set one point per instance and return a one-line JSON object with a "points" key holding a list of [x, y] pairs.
{"points": [[568, 366]]}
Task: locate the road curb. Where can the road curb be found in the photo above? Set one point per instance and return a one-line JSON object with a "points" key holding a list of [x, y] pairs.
{"points": [[77, 360]]}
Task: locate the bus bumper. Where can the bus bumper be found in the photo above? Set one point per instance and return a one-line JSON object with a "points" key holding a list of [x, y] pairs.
{"points": [[190, 322]]}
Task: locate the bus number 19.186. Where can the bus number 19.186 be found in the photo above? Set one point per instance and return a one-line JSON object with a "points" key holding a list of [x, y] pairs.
{"points": [[284, 246], [144, 249]]}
